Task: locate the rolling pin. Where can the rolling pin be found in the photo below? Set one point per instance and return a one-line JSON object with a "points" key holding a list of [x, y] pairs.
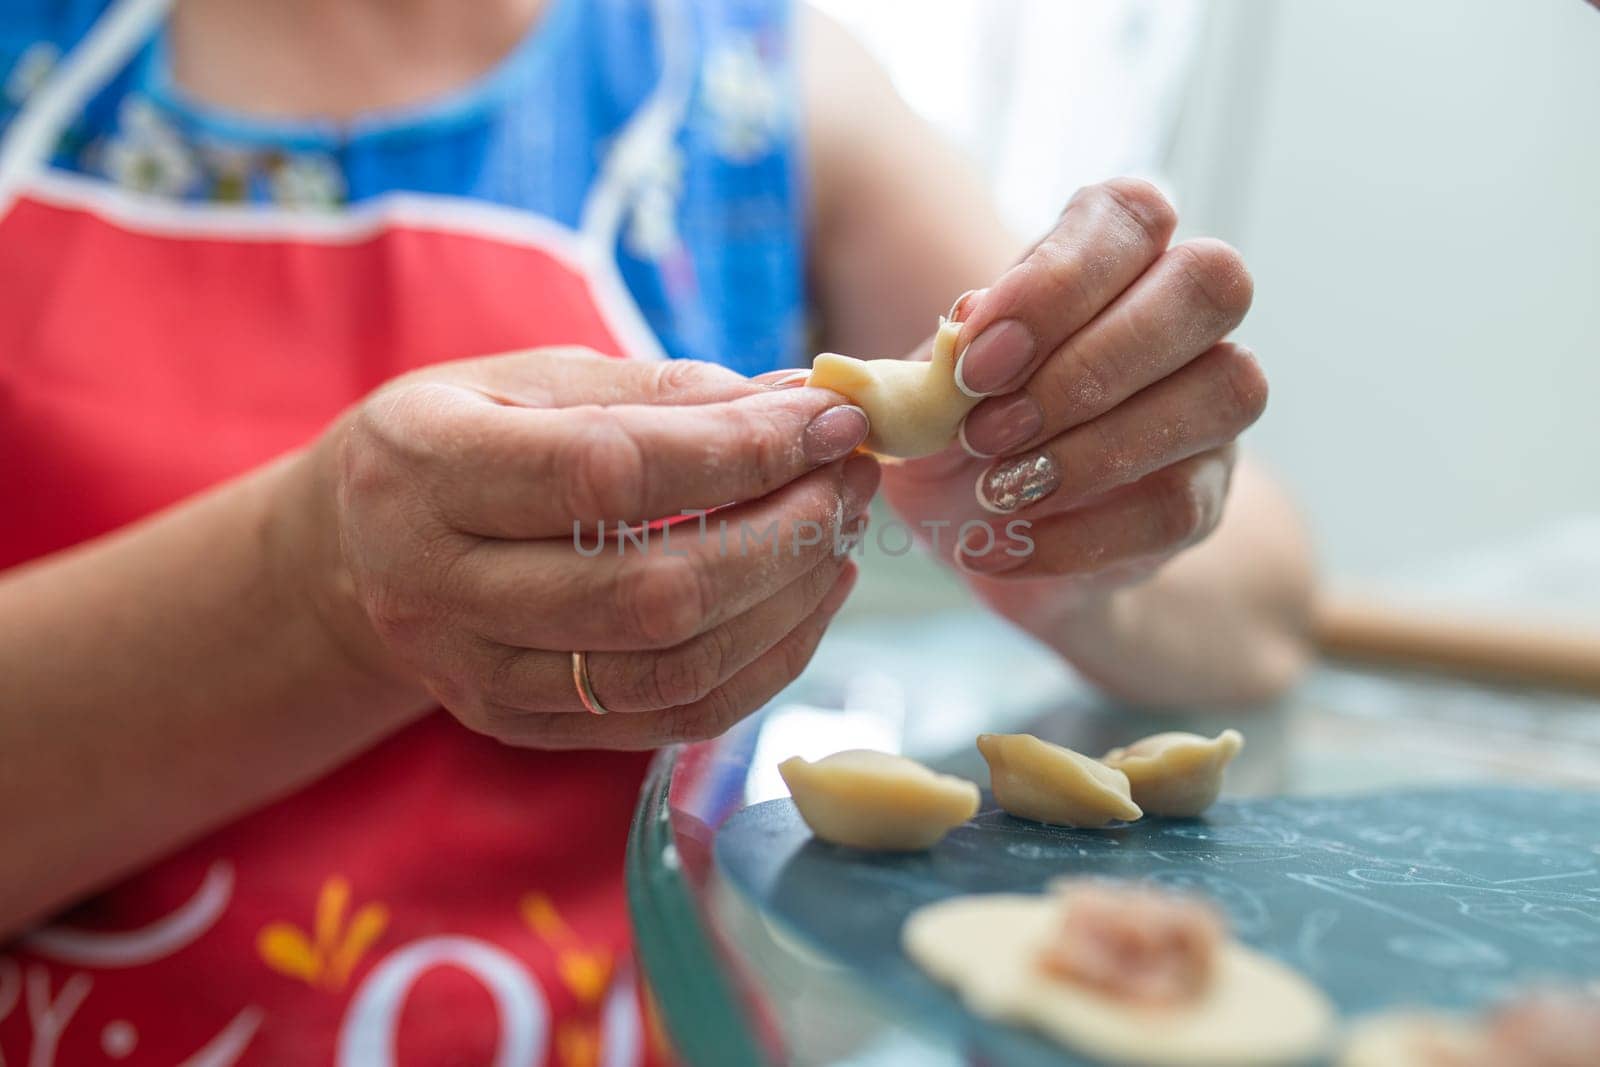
{"points": [[1368, 630]]}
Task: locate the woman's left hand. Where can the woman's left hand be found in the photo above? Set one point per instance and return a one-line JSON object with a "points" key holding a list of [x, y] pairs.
{"points": [[1105, 444]]}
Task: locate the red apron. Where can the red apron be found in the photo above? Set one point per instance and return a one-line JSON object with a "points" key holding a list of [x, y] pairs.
{"points": [[441, 899]]}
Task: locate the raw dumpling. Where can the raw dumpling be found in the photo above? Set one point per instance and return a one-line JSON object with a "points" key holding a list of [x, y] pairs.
{"points": [[1544, 1028], [1251, 1012], [1175, 774], [1410, 1040], [914, 408], [874, 800], [1033, 779]]}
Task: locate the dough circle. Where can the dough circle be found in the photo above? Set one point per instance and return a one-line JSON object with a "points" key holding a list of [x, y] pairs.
{"points": [[1409, 1040], [1178, 775], [1256, 1013], [874, 800], [913, 408], [1033, 779]]}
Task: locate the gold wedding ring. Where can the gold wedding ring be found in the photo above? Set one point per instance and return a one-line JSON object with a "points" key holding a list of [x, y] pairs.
{"points": [[580, 678]]}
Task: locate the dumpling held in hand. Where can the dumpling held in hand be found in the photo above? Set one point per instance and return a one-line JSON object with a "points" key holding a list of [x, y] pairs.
{"points": [[915, 409]]}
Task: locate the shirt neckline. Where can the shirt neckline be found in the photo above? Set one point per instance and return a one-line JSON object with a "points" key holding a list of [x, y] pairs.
{"points": [[459, 107]]}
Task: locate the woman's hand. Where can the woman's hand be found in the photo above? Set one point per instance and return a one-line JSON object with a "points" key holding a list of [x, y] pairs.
{"points": [[1105, 444], [459, 498]]}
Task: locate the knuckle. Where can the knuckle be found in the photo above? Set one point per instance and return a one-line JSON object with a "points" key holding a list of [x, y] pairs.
{"points": [[389, 430], [503, 723], [398, 616], [1089, 387], [463, 686], [1180, 510], [689, 674], [711, 717], [1059, 270], [604, 469], [1108, 458], [766, 446], [1218, 275], [796, 652], [674, 377], [723, 708], [1245, 386], [664, 601], [820, 579], [1144, 205], [499, 686], [407, 446]]}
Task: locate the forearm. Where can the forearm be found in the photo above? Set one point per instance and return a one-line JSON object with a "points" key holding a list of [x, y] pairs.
{"points": [[901, 223], [165, 679], [1225, 623], [901, 226]]}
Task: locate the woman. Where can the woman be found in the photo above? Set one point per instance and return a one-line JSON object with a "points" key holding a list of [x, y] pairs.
{"points": [[265, 511]]}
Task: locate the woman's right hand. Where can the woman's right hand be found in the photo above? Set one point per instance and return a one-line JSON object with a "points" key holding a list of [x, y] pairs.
{"points": [[446, 510]]}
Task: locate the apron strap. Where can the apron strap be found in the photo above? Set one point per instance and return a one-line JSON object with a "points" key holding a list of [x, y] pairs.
{"points": [[648, 133], [32, 136]]}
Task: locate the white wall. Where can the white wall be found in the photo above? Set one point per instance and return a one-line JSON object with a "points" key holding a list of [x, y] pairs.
{"points": [[1416, 186]]}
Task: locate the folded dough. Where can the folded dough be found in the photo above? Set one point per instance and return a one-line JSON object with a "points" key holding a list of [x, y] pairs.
{"points": [[1033, 779], [914, 408], [874, 800], [1176, 774], [1254, 1012]]}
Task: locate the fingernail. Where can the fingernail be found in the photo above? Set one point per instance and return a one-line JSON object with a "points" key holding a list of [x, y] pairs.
{"points": [[980, 551], [1017, 483], [861, 476], [998, 426], [835, 433], [964, 304], [995, 357], [793, 380]]}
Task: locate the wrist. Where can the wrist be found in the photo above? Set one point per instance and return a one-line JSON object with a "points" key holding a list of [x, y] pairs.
{"points": [[1163, 643], [306, 566]]}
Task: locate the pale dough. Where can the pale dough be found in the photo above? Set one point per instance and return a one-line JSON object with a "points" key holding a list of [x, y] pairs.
{"points": [[914, 409], [1256, 1012], [1033, 779], [873, 800], [1410, 1040], [1176, 774], [1542, 1028]]}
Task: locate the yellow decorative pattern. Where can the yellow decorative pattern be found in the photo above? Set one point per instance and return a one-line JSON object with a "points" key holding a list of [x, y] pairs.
{"points": [[585, 971], [578, 1044], [326, 959]]}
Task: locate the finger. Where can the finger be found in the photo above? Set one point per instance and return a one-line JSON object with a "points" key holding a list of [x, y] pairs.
{"points": [[1196, 295], [1159, 515], [570, 375], [1203, 406], [1106, 238], [782, 379], [628, 682], [745, 692], [658, 588], [938, 468], [496, 470]]}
